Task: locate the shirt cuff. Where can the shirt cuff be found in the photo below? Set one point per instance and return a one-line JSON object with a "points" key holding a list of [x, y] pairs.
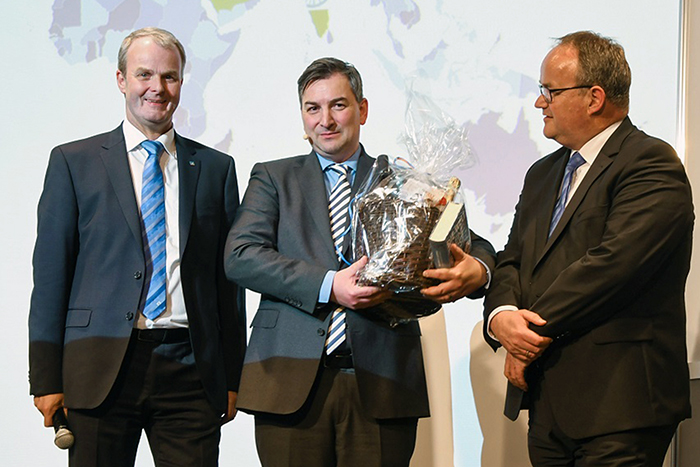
{"points": [[494, 313], [324, 294], [488, 273]]}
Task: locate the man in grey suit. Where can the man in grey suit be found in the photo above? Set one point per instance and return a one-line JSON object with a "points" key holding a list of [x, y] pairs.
{"points": [[133, 325], [315, 406], [588, 294]]}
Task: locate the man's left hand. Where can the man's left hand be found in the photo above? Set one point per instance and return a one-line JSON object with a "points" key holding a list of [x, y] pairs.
{"points": [[463, 278], [231, 410]]}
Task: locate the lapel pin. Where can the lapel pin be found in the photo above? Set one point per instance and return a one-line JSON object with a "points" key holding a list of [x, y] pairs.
{"points": [[192, 163]]}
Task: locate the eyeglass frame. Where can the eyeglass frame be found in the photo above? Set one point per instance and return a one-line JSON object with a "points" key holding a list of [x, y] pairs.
{"points": [[544, 90]]}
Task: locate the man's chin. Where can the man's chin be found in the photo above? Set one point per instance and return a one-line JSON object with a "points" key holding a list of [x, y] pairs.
{"points": [[548, 132]]}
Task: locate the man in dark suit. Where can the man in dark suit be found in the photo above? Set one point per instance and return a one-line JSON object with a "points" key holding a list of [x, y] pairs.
{"points": [[315, 405], [133, 325], [588, 297]]}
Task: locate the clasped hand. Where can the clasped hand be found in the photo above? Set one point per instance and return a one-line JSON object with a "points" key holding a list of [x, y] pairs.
{"points": [[512, 329]]}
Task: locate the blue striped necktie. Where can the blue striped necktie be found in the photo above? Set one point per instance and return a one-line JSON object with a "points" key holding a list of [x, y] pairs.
{"points": [[574, 163], [338, 211], [153, 216]]}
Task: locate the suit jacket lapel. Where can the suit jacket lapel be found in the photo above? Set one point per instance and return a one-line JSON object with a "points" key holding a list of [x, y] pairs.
{"points": [[364, 165], [115, 159], [312, 186], [188, 167], [549, 198]]}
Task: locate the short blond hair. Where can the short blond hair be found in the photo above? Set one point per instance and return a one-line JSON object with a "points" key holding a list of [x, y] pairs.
{"points": [[161, 37]]}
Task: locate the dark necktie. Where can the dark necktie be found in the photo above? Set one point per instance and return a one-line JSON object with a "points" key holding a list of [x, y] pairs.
{"points": [[574, 163], [338, 211], [153, 215]]}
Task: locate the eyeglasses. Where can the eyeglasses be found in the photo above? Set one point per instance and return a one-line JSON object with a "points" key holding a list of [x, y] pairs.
{"points": [[548, 94]]}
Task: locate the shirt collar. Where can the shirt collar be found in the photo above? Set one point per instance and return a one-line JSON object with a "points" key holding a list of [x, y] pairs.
{"points": [[351, 162], [133, 138], [590, 150]]}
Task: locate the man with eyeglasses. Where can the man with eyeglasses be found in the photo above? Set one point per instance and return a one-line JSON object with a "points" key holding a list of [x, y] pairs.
{"points": [[588, 294]]}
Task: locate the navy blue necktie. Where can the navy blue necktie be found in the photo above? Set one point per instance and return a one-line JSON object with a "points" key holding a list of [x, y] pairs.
{"points": [[574, 163], [338, 203], [153, 215]]}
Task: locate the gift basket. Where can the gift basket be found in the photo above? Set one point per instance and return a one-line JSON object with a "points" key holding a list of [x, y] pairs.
{"points": [[399, 205]]}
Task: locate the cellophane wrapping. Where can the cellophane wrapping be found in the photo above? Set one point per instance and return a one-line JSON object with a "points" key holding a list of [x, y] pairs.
{"points": [[400, 202]]}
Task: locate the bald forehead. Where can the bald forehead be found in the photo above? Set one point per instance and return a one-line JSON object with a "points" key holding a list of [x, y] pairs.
{"points": [[560, 64]]}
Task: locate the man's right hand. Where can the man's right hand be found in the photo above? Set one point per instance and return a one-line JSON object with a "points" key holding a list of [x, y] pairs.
{"points": [[512, 329], [48, 405], [346, 292]]}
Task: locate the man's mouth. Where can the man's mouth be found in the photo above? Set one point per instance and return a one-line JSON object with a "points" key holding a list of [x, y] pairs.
{"points": [[155, 101]]}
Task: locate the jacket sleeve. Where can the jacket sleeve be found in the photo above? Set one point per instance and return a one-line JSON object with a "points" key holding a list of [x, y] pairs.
{"points": [[54, 261], [252, 258]]}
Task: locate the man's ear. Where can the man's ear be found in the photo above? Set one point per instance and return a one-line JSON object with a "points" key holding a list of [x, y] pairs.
{"points": [[597, 102], [121, 82], [364, 111]]}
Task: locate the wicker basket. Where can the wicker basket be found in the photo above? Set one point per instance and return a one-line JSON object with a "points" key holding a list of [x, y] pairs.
{"points": [[394, 236]]}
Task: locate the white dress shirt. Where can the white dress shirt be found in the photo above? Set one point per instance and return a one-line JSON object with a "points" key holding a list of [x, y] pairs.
{"points": [[174, 315]]}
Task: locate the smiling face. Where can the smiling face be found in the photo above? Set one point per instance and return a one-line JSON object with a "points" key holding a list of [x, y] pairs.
{"points": [[332, 117], [565, 118], [151, 86]]}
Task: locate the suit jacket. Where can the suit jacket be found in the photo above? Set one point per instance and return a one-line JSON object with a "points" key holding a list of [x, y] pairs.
{"points": [[89, 269], [610, 282], [281, 246]]}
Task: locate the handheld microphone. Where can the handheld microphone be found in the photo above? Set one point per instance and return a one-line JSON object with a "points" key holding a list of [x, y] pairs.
{"points": [[64, 438]]}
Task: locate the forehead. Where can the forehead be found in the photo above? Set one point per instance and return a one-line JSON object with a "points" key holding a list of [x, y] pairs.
{"points": [[336, 86], [559, 66], [145, 52]]}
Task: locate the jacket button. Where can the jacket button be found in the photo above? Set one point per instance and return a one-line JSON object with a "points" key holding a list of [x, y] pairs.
{"points": [[137, 275], [129, 316], [320, 332]]}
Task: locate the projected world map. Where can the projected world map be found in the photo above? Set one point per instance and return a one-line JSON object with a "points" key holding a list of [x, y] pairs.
{"points": [[444, 57]]}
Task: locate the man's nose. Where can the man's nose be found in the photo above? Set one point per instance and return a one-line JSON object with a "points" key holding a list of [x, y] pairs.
{"points": [[541, 102], [327, 119], [157, 83]]}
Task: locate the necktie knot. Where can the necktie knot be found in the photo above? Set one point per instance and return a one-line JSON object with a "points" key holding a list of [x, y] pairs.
{"points": [[153, 148], [575, 162], [342, 170]]}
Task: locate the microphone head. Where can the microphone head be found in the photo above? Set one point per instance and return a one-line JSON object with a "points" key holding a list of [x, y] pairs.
{"points": [[382, 161], [64, 438]]}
